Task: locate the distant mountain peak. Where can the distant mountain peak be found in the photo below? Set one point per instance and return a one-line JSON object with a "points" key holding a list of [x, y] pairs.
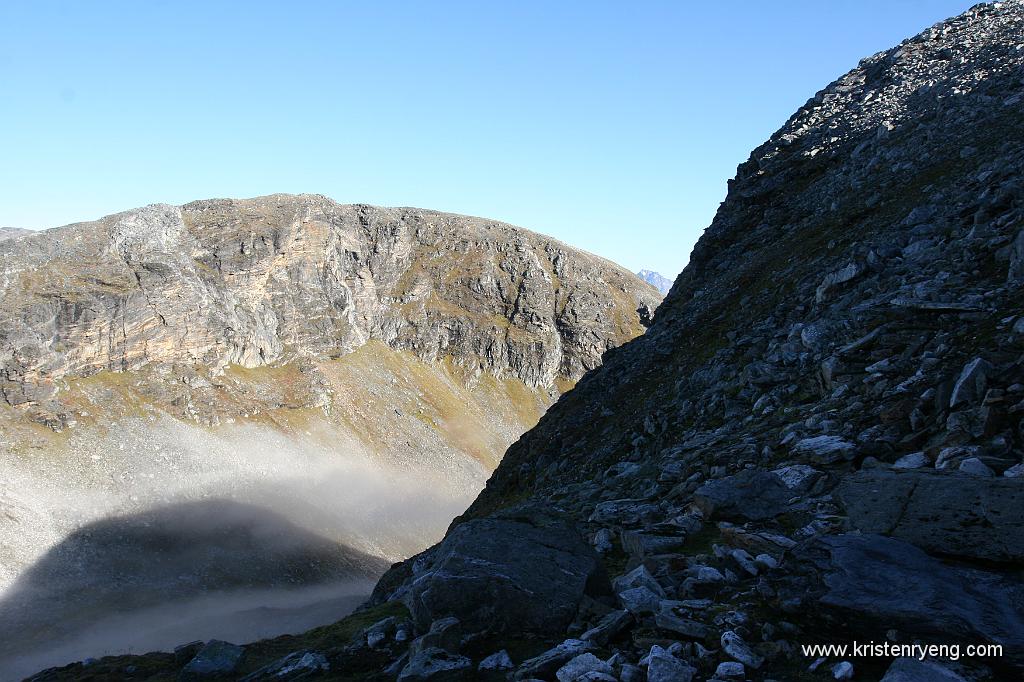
{"points": [[656, 280]]}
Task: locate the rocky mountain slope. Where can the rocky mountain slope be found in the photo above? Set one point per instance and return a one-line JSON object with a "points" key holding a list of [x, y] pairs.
{"points": [[818, 441], [351, 373], [12, 232], [656, 280]]}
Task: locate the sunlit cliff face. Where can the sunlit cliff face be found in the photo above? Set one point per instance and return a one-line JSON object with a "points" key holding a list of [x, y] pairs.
{"points": [[152, 530]]}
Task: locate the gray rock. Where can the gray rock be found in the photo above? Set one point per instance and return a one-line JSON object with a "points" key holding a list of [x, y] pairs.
{"points": [[798, 477], [603, 540], [835, 280], [581, 666], [436, 665], [216, 658], [687, 627], [744, 561], [825, 449], [664, 667], [883, 582], [737, 649], [496, 661], [975, 467], [296, 666], [547, 663], [522, 571], [638, 577], [444, 633], [646, 544], [944, 513], [915, 460], [971, 384], [730, 670], [842, 670], [608, 627], [1016, 471], [381, 630], [640, 600], [749, 495]]}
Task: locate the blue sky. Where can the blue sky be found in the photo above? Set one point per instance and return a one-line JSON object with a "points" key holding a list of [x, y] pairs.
{"points": [[611, 126]]}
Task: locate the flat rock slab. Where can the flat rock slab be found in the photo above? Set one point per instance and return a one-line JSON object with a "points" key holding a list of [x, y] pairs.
{"points": [[521, 571], [887, 583], [944, 513]]}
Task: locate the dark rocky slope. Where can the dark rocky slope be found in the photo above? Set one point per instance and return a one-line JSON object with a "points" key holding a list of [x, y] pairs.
{"points": [[820, 438]]}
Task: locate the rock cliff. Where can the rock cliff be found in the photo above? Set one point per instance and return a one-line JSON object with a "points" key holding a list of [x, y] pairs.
{"points": [[277, 279]]}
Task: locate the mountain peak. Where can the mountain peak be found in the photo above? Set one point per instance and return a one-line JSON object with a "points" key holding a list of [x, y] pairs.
{"points": [[656, 280]]}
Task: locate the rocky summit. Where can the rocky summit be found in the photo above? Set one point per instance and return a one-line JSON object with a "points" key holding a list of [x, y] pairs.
{"points": [[656, 280], [818, 441]]}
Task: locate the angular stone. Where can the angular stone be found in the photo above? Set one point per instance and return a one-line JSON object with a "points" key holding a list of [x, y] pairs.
{"points": [[436, 665], [638, 577], [915, 460], [970, 386], [497, 661], [551, 660], [734, 646], [798, 477], [216, 658], [664, 667], [691, 629], [639, 600], [835, 280], [296, 666], [646, 544], [825, 449], [975, 467], [607, 628], [730, 670], [581, 666], [750, 495], [444, 633]]}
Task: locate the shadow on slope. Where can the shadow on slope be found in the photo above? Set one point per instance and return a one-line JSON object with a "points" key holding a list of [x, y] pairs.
{"points": [[192, 570]]}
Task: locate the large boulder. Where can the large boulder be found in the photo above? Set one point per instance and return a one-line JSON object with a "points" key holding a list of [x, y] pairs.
{"points": [[875, 583], [520, 571], [215, 659], [944, 513], [750, 495]]}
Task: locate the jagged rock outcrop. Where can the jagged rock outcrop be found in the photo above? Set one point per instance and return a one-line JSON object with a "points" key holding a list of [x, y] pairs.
{"points": [[852, 311]]}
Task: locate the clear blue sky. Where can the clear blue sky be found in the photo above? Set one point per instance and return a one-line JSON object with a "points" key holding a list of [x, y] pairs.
{"points": [[610, 125]]}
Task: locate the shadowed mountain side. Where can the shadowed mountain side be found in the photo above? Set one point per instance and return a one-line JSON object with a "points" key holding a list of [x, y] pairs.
{"points": [[181, 554]]}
